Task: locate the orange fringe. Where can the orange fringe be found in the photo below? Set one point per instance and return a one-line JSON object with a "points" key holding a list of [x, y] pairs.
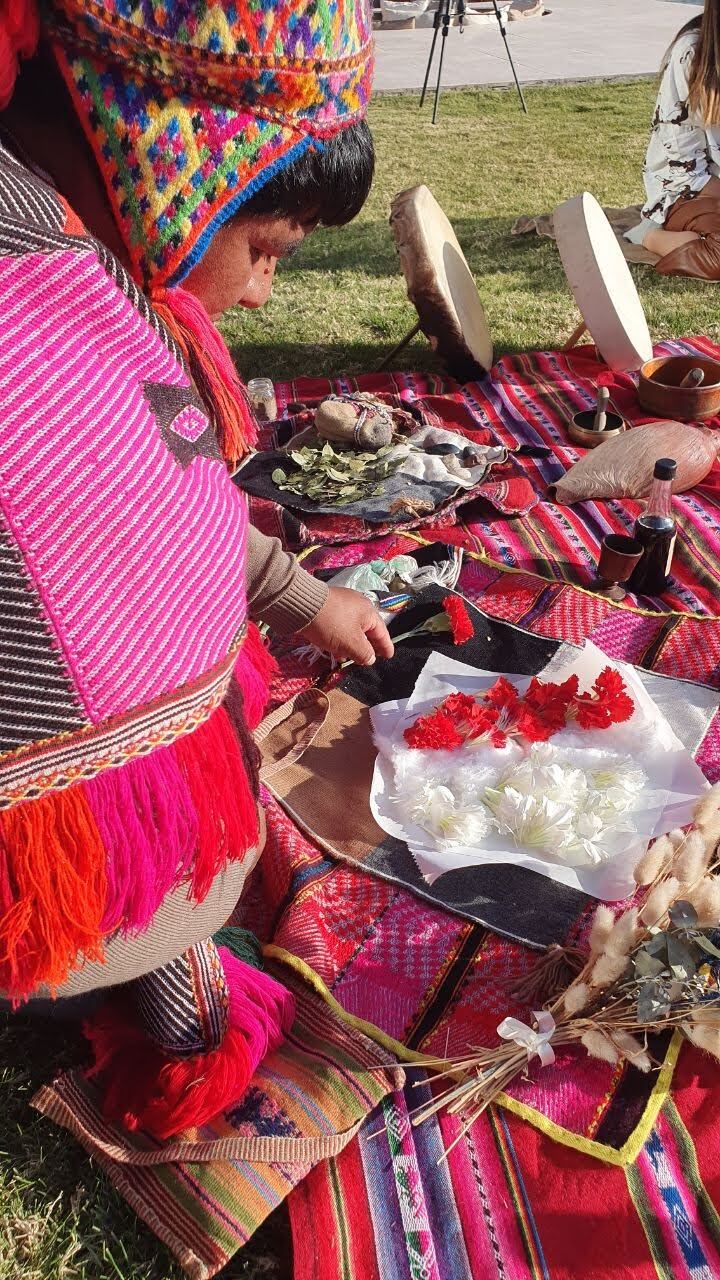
{"points": [[211, 368], [52, 892]]}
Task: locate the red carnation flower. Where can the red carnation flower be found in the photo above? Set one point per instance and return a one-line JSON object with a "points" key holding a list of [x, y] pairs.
{"points": [[460, 623], [503, 694], [609, 703], [546, 706], [435, 732], [471, 718], [592, 715], [459, 704], [501, 713], [533, 725]]}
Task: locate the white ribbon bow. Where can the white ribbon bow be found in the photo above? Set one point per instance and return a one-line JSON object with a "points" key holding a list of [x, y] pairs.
{"points": [[536, 1042]]}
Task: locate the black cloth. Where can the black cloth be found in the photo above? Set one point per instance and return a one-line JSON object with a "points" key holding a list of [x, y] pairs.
{"points": [[510, 900]]}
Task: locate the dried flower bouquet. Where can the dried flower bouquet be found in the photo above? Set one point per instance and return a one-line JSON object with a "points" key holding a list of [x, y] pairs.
{"points": [[653, 968]]}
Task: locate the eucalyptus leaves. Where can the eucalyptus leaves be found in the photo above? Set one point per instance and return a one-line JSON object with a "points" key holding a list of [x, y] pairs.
{"points": [[332, 475]]}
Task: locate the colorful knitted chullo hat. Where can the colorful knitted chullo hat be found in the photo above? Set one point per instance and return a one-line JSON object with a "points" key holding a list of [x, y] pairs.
{"points": [[192, 105]]}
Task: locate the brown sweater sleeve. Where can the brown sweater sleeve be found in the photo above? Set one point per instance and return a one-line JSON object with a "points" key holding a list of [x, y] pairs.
{"points": [[279, 591]]}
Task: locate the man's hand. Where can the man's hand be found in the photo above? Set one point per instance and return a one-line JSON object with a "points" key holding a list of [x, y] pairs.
{"points": [[349, 627]]}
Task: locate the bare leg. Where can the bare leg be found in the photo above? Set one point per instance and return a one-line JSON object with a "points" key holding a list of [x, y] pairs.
{"points": [[661, 242]]}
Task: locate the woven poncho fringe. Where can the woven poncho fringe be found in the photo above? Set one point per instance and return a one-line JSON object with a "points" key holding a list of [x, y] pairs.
{"points": [[82, 864]]}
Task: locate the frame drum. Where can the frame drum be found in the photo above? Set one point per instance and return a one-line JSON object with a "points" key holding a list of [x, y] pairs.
{"points": [[601, 283], [440, 284]]}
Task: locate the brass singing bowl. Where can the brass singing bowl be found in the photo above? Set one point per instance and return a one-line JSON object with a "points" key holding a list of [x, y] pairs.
{"points": [[582, 431]]}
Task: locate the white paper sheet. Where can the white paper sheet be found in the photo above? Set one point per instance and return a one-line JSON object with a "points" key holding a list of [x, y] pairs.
{"points": [[674, 780]]}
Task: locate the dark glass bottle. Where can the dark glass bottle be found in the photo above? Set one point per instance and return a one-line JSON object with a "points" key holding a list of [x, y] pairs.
{"points": [[656, 530]]}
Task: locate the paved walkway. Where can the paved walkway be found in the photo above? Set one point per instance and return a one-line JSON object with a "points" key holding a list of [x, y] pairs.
{"points": [[580, 40]]}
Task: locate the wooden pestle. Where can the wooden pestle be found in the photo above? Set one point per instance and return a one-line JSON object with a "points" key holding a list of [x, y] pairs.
{"points": [[603, 398], [694, 378]]}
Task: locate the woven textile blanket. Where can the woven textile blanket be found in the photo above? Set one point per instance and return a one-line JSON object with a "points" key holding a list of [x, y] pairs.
{"points": [[529, 400], [411, 978], [206, 1193], [424, 982], [505, 488], [507, 1204]]}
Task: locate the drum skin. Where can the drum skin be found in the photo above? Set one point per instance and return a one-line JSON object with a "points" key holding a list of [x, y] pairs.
{"points": [[440, 284]]}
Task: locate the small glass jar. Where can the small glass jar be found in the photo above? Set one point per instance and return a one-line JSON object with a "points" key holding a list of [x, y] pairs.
{"points": [[262, 398]]}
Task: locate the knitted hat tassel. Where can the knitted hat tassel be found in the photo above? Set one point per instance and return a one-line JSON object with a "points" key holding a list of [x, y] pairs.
{"points": [[211, 368], [209, 1021]]}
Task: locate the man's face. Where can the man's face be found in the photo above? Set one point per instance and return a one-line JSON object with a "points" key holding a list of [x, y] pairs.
{"points": [[238, 267]]}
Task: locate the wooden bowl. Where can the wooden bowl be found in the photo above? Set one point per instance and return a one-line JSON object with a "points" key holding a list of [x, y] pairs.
{"points": [[581, 430], [660, 392]]}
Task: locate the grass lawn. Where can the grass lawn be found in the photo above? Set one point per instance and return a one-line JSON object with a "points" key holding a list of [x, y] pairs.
{"points": [[339, 306]]}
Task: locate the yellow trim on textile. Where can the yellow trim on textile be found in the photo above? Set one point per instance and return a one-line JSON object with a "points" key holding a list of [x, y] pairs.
{"points": [[313, 979], [563, 582], [621, 1157], [629, 1152]]}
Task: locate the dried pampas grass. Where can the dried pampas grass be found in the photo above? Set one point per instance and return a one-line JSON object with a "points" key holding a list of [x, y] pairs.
{"points": [[654, 861], [659, 900], [602, 927]]}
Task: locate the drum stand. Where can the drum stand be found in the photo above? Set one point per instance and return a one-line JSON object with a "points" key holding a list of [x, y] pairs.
{"points": [[402, 344], [444, 14]]}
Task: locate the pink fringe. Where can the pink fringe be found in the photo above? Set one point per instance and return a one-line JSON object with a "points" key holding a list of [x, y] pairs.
{"points": [[148, 823], [260, 1008], [254, 670], [177, 815], [214, 770]]}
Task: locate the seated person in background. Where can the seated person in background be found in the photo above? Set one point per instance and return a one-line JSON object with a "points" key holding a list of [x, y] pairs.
{"points": [[681, 217], [193, 141]]}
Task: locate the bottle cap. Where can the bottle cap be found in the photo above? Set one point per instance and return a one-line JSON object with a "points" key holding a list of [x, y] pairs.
{"points": [[665, 469]]}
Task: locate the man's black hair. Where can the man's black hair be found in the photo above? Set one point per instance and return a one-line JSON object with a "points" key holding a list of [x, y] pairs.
{"points": [[328, 183]]}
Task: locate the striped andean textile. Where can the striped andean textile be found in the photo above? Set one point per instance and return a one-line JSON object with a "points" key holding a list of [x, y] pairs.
{"points": [[205, 1194], [529, 399], [508, 1204], [433, 982]]}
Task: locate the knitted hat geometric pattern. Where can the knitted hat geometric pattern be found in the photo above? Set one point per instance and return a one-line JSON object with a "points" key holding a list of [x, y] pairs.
{"points": [[191, 106]]}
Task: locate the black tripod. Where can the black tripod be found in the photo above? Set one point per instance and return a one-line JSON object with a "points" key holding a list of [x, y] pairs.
{"points": [[444, 14]]}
